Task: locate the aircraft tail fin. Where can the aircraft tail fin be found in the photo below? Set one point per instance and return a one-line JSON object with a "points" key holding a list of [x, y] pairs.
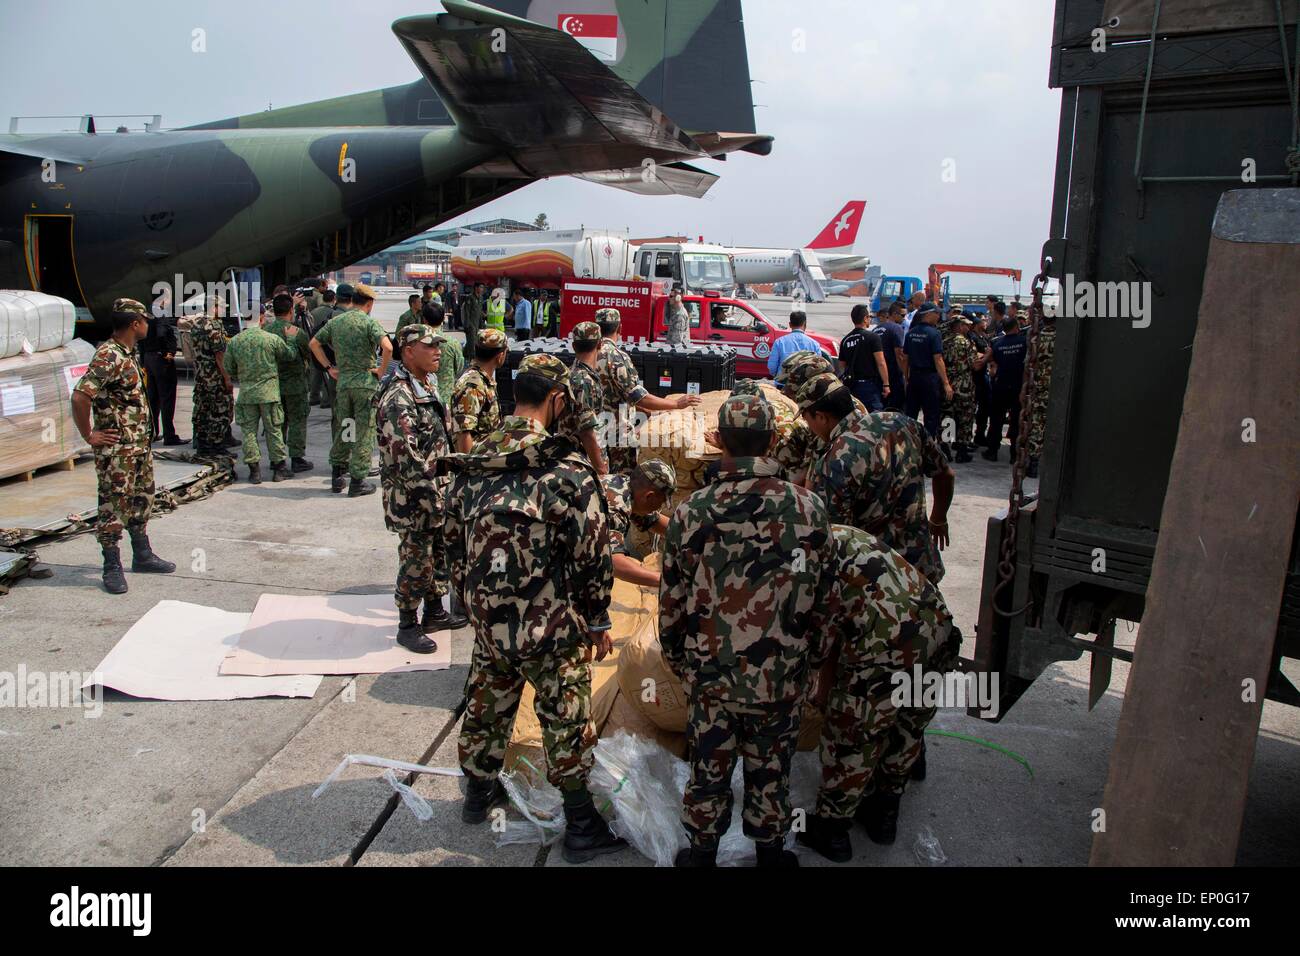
{"points": [[841, 232]]}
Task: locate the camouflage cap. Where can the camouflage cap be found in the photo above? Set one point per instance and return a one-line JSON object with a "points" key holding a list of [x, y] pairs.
{"points": [[418, 333], [491, 339], [817, 388], [548, 367], [800, 367], [586, 332], [130, 305], [660, 475], [751, 412], [608, 315], [746, 386]]}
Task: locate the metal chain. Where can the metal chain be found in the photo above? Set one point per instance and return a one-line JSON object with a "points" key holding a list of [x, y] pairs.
{"points": [[1016, 497]]}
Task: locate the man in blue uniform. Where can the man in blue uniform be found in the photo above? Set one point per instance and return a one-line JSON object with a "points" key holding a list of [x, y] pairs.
{"points": [[1006, 356], [927, 377]]}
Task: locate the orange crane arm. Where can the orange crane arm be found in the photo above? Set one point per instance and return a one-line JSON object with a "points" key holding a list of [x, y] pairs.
{"points": [[939, 270]]}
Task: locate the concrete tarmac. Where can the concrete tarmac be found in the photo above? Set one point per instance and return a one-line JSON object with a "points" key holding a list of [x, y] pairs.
{"points": [[230, 782]]}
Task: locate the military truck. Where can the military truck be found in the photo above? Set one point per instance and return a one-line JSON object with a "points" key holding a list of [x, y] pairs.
{"points": [[1167, 110]]}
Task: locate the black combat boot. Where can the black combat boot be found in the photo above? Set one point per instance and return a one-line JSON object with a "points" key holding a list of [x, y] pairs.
{"points": [[172, 440], [143, 560], [878, 812], [338, 478], [989, 454], [435, 618], [774, 854], [230, 441], [358, 487], [411, 636], [1031, 470], [918, 768], [114, 579], [480, 797], [963, 454], [828, 837], [586, 834], [701, 856], [302, 464], [280, 471], [255, 474], [456, 610]]}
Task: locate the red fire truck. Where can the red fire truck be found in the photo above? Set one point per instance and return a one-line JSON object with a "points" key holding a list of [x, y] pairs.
{"points": [[715, 320]]}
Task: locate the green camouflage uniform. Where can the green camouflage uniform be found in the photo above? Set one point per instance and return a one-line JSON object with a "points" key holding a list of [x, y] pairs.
{"points": [[528, 543], [253, 359], [747, 567], [884, 619], [114, 384], [409, 318], [1044, 354], [449, 368], [798, 448], [213, 405], [293, 387], [413, 437], [474, 407], [588, 396], [872, 476], [471, 319], [354, 336], [959, 358], [620, 386], [322, 385]]}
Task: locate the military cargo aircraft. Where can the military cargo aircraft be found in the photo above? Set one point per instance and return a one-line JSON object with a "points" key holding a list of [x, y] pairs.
{"points": [[510, 93]]}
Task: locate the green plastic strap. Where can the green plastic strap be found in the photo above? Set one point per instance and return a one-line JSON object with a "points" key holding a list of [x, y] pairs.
{"points": [[986, 743]]}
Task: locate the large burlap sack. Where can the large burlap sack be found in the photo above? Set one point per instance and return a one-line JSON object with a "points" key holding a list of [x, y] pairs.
{"points": [[677, 437]]}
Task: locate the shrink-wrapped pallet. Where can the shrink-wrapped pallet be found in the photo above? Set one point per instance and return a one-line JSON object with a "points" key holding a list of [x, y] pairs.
{"points": [[36, 427], [34, 322]]}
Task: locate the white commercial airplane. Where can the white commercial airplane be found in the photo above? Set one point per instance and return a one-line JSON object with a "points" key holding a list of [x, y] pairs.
{"points": [[830, 251]]}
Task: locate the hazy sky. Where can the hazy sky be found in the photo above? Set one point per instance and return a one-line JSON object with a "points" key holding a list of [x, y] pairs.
{"points": [[884, 93]]}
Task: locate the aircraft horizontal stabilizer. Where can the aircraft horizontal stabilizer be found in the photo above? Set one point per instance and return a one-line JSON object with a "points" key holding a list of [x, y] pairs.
{"points": [[677, 179], [537, 93]]}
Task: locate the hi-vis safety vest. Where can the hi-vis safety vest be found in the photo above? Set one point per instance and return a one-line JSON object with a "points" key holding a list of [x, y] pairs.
{"points": [[496, 314]]}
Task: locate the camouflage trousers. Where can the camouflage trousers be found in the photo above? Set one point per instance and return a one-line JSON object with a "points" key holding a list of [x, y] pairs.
{"points": [[270, 416], [295, 408], [421, 568], [353, 427], [125, 494], [763, 738], [962, 411], [561, 678], [213, 408], [1037, 421], [869, 743]]}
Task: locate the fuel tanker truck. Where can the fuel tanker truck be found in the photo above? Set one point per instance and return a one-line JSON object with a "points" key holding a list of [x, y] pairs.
{"points": [[545, 259]]}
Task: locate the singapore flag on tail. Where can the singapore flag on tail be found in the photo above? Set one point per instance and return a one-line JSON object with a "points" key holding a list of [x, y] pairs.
{"points": [[598, 32]]}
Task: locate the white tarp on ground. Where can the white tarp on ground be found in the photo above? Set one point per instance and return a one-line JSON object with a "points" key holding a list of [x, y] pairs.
{"points": [[334, 634], [175, 652]]}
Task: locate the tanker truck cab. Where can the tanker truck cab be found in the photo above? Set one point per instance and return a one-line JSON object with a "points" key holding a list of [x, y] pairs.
{"points": [[696, 267]]}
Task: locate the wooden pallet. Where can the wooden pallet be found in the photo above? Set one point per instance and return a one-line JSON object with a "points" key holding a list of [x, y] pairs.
{"points": [[67, 464]]}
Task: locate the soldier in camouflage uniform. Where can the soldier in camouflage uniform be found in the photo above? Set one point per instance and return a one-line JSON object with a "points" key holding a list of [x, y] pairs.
{"points": [[884, 619], [798, 448], [747, 570], [872, 474], [452, 362], [355, 338], [321, 385], [113, 387], [959, 360], [253, 359], [679, 321], [582, 423], [475, 413], [623, 392], [528, 539], [293, 382], [634, 499], [413, 438], [214, 393], [1043, 358]]}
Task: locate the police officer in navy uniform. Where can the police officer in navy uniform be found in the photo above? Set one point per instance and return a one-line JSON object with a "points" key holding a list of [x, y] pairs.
{"points": [[927, 376], [1006, 356], [158, 356]]}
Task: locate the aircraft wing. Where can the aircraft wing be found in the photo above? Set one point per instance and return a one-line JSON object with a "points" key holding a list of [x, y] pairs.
{"points": [[537, 93], [31, 148], [676, 179]]}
